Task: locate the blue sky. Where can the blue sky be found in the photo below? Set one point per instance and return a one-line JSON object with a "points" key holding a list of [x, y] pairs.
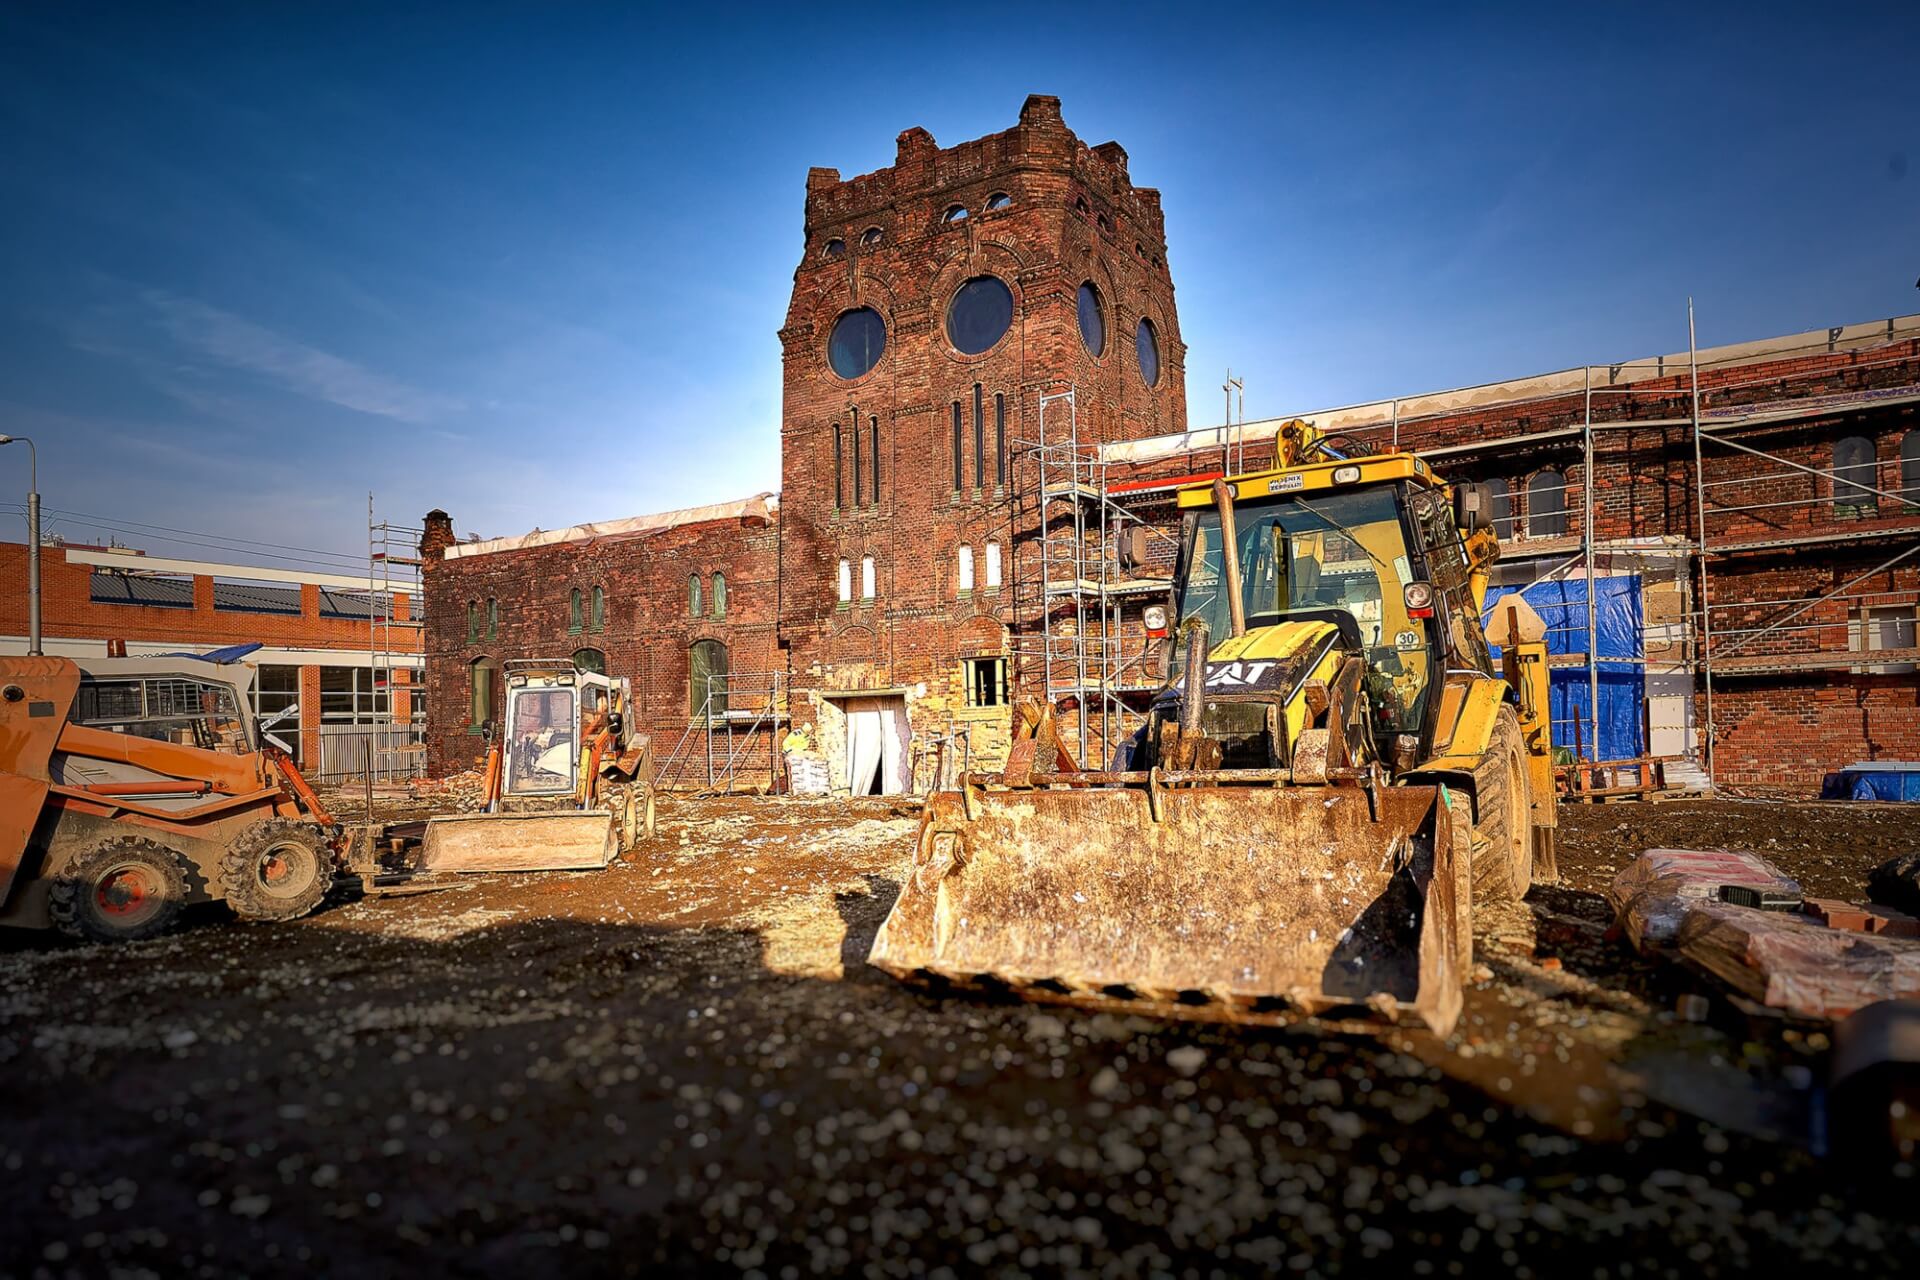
{"points": [[528, 262]]}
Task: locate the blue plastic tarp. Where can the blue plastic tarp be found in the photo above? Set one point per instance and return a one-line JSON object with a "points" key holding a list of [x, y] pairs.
{"points": [[1619, 632], [232, 653], [1893, 780]]}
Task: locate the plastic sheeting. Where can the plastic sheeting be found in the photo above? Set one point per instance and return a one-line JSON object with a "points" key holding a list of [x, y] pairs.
{"points": [[760, 506], [1619, 627], [1885, 780]]}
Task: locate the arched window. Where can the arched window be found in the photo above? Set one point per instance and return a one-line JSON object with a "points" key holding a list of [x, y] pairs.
{"points": [[871, 236], [719, 596], [836, 248], [480, 690], [993, 566], [954, 213], [493, 619], [1910, 466], [846, 581], [574, 621], [1853, 468], [966, 569], [693, 595], [998, 200], [1547, 505], [599, 609], [866, 577], [1146, 350], [707, 678], [473, 622], [590, 660]]}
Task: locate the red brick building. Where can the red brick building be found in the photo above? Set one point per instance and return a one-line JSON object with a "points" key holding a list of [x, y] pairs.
{"points": [[319, 634], [984, 405]]}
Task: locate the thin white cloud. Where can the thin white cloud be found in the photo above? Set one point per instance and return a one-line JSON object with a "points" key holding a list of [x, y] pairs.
{"points": [[241, 344]]}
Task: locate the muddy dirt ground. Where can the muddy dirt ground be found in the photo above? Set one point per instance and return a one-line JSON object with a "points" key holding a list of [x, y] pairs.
{"points": [[680, 1065]]}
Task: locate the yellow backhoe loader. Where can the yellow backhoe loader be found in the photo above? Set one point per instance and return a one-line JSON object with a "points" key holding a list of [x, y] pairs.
{"points": [[1335, 772]]}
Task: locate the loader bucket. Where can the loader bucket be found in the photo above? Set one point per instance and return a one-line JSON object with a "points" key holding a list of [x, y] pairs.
{"points": [[1241, 904], [561, 840]]}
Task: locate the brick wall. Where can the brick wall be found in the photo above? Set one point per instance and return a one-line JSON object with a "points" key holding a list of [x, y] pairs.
{"points": [[649, 626], [1072, 215]]}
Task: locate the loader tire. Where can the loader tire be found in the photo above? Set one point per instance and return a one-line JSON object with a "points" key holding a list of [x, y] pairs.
{"points": [[277, 869], [124, 889], [1502, 823]]}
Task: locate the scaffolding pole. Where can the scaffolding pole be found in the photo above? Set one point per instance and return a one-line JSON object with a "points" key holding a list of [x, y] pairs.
{"points": [[1700, 504]]}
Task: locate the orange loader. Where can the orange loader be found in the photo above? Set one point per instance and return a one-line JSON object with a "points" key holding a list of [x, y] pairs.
{"points": [[131, 788]]}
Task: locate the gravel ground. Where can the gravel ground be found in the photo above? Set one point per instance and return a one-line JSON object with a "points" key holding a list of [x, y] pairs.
{"points": [[679, 1065]]}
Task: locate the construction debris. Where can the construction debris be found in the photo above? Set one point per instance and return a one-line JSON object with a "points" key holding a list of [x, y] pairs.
{"points": [[1825, 960], [1896, 883]]}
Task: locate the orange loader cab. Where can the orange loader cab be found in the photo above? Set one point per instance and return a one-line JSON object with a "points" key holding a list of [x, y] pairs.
{"points": [[131, 788]]}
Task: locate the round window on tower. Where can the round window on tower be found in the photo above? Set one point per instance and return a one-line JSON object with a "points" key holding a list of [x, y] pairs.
{"points": [[859, 338], [979, 315], [1093, 320], [1146, 346]]}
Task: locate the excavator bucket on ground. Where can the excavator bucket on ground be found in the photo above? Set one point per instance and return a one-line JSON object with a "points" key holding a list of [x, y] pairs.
{"points": [[1249, 904], [555, 840]]}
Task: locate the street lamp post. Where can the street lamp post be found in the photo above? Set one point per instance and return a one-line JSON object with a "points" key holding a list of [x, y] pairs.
{"points": [[33, 542]]}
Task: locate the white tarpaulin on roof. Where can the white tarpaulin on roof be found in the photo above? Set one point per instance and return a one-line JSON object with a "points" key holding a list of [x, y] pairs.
{"points": [[761, 505]]}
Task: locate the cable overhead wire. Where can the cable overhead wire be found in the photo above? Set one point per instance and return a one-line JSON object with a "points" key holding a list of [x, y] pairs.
{"points": [[308, 557]]}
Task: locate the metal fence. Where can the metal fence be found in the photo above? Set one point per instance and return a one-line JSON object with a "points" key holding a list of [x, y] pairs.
{"points": [[399, 750]]}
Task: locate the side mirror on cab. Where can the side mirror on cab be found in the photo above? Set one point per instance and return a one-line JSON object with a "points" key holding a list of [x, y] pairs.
{"points": [[1469, 507]]}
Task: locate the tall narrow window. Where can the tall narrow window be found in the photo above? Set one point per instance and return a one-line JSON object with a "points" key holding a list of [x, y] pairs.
{"points": [[1910, 467], [573, 611], [693, 595], [846, 581], [979, 438], [999, 440], [479, 691], [719, 596], [1853, 477], [473, 622], [873, 439], [707, 668], [866, 577], [839, 487], [959, 451], [599, 609], [493, 619], [853, 439], [993, 566], [966, 569]]}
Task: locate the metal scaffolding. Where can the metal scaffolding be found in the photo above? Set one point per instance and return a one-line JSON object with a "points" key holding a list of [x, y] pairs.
{"points": [[397, 749], [718, 743]]}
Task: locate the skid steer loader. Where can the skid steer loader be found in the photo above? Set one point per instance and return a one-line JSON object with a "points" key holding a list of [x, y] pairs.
{"points": [[1335, 772], [133, 787], [568, 781]]}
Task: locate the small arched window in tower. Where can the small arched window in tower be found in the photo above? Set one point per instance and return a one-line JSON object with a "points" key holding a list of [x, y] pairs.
{"points": [[1547, 505], [966, 569], [871, 237], [598, 619], [998, 200], [1139, 251], [954, 213], [1853, 477], [836, 248], [693, 595], [846, 581], [1101, 222], [574, 610], [1910, 467], [993, 566], [719, 597], [866, 578], [873, 457]]}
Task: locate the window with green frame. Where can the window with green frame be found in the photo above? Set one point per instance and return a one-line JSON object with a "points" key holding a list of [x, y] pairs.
{"points": [[473, 622], [574, 623], [719, 596], [599, 609]]}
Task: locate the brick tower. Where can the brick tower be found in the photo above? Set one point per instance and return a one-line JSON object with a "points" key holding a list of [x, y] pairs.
{"points": [[935, 303]]}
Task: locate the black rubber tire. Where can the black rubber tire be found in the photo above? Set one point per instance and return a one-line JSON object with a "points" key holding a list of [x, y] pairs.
{"points": [[1502, 816], [122, 890], [277, 869]]}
